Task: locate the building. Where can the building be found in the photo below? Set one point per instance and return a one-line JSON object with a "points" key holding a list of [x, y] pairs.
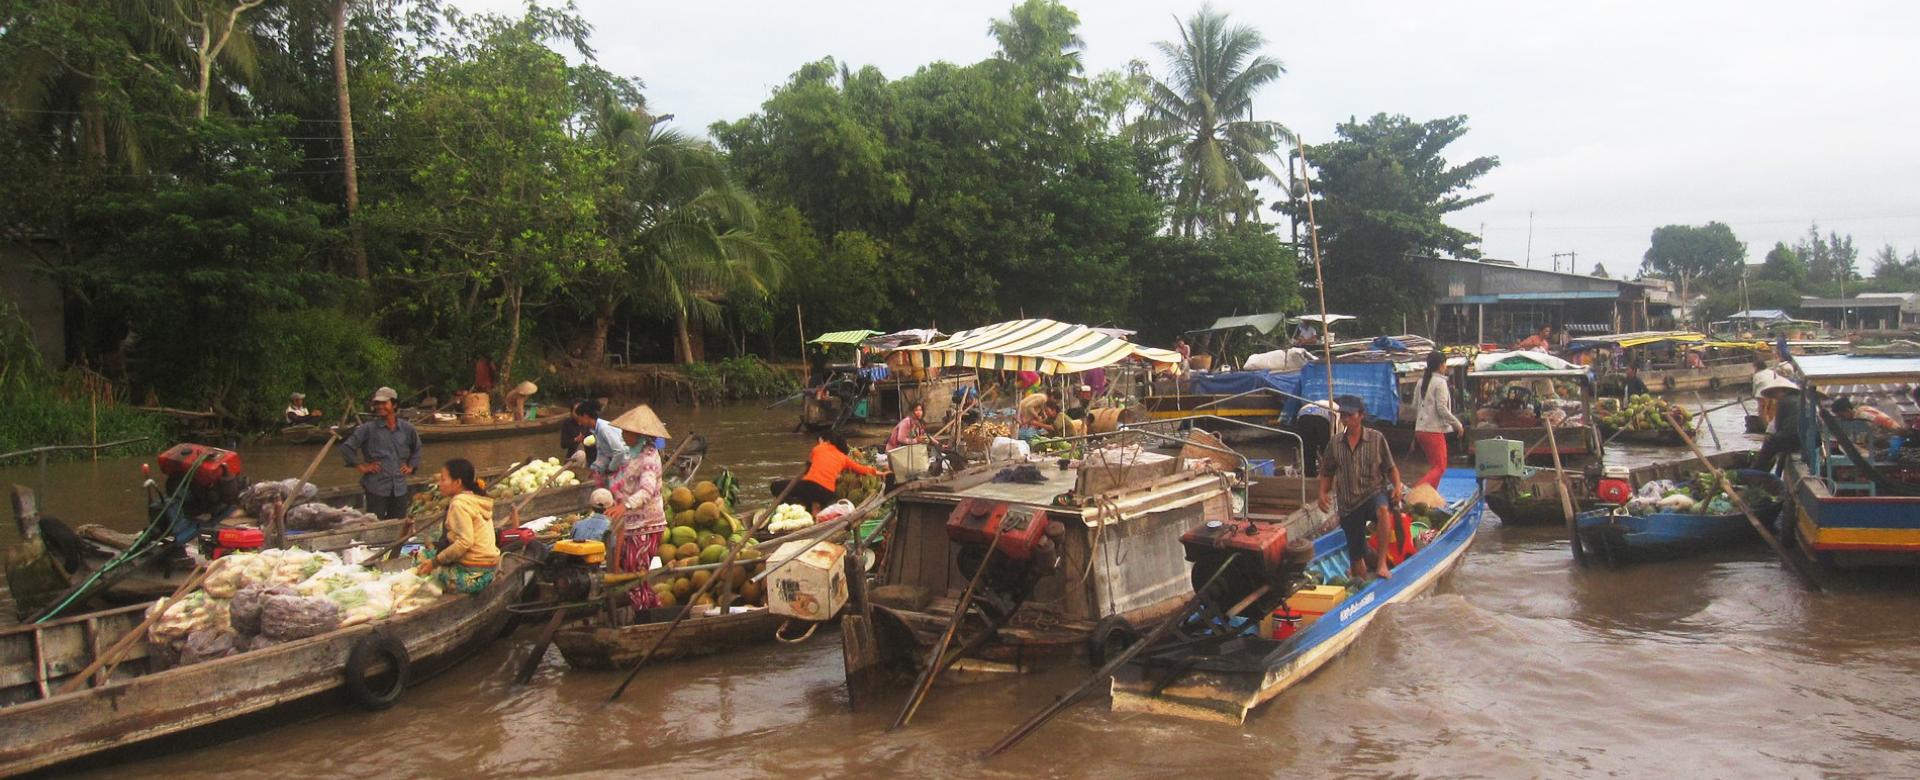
{"points": [[1497, 301], [1867, 311]]}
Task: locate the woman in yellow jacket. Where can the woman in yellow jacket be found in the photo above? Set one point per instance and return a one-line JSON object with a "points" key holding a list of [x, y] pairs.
{"points": [[468, 555]]}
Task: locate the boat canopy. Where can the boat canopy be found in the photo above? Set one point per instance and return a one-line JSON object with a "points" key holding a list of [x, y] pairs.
{"points": [[1318, 319], [1039, 345], [844, 337], [1824, 370], [1639, 339], [1260, 323], [1522, 360], [903, 337]]}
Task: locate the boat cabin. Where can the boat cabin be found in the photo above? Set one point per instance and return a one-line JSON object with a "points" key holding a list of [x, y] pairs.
{"points": [[1856, 487], [1516, 395]]}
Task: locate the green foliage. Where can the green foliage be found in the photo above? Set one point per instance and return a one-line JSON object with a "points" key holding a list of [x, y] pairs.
{"points": [[45, 407], [1382, 194], [1687, 255], [1830, 260], [1893, 271], [1783, 265], [739, 378], [1203, 110], [333, 356], [1195, 280], [1725, 300]]}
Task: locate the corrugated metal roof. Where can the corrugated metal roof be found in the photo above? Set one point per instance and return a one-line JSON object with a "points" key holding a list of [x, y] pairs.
{"points": [[1263, 323], [1560, 295], [1824, 369], [1848, 303]]}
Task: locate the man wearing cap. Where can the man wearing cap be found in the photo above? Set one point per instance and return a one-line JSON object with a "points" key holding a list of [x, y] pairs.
{"points": [[297, 412], [1358, 468], [385, 450], [609, 443], [593, 527]]}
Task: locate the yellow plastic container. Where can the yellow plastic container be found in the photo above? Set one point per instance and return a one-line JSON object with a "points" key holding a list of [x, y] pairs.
{"points": [[592, 551], [1312, 602]]}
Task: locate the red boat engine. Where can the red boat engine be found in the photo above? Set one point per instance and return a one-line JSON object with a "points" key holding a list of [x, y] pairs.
{"points": [[1026, 544], [1260, 555]]}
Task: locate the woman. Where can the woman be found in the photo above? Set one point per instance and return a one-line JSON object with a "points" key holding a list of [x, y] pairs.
{"points": [[468, 557], [636, 491], [824, 464], [1434, 419], [911, 430]]}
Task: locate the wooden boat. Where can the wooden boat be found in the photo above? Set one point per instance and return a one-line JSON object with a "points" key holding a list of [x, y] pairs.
{"points": [[40, 728], [1664, 437], [1663, 363], [431, 432], [1620, 538], [1507, 398], [603, 648], [1223, 681], [1535, 498], [1120, 564], [1851, 504]]}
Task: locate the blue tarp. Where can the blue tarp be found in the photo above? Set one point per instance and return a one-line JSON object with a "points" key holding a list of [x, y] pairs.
{"points": [[1374, 383], [1234, 382]]}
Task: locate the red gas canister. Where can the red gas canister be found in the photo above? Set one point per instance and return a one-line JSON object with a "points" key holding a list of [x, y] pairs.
{"points": [[977, 520], [515, 536], [214, 463], [1614, 491]]}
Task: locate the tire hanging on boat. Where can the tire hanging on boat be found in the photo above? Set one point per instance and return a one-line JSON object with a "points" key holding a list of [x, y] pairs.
{"points": [[1112, 635], [365, 651]]}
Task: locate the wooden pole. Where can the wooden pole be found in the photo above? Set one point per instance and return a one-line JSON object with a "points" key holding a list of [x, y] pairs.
{"points": [[1566, 495], [801, 320], [1726, 486], [1319, 277], [131, 638], [936, 654]]}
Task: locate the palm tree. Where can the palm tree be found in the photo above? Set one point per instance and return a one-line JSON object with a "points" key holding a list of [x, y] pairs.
{"points": [[683, 235], [1204, 109]]}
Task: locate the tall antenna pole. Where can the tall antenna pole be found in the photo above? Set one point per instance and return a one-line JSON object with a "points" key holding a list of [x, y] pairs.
{"points": [[1529, 238], [1319, 278]]}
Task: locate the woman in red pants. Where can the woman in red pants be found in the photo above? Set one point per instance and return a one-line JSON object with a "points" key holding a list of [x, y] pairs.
{"points": [[1433, 419]]}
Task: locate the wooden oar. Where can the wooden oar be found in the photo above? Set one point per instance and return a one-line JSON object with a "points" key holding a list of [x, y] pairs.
{"points": [[1040, 718], [1566, 497], [126, 642], [936, 656], [1707, 420], [1726, 486], [277, 535]]}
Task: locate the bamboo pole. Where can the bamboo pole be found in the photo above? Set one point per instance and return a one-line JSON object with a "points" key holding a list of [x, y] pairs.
{"points": [[126, 642], [1319, 276], [1726, 486]]}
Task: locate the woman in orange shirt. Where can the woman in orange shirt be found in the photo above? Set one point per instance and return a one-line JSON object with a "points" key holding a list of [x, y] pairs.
{"points": [[824, 464]]}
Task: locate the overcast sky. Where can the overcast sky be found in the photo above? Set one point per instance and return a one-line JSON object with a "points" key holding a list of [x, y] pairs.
{"points": [[1609, 119]]}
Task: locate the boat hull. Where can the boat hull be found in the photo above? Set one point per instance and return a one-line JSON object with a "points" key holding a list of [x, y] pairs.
{"points": [[603, 648], [1851, 531], [1621, 539], [1248, 671]]}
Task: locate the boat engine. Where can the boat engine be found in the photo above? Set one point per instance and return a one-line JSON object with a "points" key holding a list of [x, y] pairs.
{"points": [[1260, 556], [203, 487], [572, 568], [1027, 548]]}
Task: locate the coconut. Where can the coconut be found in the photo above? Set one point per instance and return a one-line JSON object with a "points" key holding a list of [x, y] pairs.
{"points": [[713, 553], [681, 499]]}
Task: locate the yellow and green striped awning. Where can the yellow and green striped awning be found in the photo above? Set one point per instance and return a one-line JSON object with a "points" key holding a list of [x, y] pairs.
{"points": [[1041, 346], [845, 337]]}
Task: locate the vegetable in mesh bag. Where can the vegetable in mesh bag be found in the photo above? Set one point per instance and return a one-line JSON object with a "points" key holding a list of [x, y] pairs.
{"points": [[258, 495], [293, 617], [244, 611], [207, 644]]}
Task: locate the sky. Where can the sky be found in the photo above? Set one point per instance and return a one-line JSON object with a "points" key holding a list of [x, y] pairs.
{"points": [[1609, 118]]}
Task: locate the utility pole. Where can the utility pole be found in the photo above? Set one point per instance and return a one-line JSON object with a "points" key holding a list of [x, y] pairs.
{"points": [[1573, 261], [1529, 238]]}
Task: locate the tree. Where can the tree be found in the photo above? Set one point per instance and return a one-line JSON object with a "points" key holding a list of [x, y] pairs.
{"points": [[1724, 300], [1783, 265], [1195, 280], [1204, 106], [1830, 260], [347, 162], [1685, 254], [1599, 272], [1381, 197]]}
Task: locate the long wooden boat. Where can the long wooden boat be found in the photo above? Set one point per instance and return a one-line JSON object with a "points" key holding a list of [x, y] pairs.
{"points": [[1846, 513], [1620, 538], [602, 647], [432, 431], [1120, 563], [1224, 681], [1577, 436], [1535, 498], [40, 728]]}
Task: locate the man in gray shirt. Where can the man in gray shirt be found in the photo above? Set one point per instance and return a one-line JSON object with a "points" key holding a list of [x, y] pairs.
{"points": [[1358, 469], [385, 451]]}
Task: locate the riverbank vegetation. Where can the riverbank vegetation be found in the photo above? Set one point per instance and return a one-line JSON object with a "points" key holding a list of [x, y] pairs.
{"points": [[244, 198]]}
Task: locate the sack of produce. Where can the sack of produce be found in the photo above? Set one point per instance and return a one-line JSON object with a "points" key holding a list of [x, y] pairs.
{"points": [[208, 644], [244, 612], [258, 495], [186, 615], [285, 617]]}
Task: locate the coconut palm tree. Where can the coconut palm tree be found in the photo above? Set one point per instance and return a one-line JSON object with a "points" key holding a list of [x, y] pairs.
{"points": [[1204, 110], [683, 233]]}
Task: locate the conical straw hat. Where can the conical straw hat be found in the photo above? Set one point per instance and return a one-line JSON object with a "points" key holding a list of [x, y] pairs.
{"points": [[526, 388], [643, 421]]}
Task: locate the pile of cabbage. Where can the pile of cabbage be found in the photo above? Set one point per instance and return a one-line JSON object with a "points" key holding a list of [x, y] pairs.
{"points": [[531, 477], [254, 600], [789, 517], [1665, 495]]}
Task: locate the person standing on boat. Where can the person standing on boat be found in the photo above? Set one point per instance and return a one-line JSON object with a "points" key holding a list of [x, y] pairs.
{"points": [[298, 413], [385, 450], [1314, 424], [636, 490], [610, 451], [468, 555], [1785, 440], [1434, 419], [1359, 470], [1632, 386]]}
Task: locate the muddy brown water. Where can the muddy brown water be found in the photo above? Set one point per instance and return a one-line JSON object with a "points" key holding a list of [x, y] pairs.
{"points": [[1519, 665]]}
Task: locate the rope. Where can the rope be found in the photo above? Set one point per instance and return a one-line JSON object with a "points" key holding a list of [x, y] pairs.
{"points": [[780, 634]]}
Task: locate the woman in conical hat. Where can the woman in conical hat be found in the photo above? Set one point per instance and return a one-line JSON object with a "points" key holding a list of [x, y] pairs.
{"points": [[637, 510]]}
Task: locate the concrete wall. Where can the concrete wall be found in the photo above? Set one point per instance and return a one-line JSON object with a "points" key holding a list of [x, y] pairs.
{"points": [[38, 299]]}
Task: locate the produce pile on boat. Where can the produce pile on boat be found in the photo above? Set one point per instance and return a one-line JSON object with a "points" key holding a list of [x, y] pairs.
{"points": [[249, 601], [979, 435], [700, 528], [285, 491], [1700, 496], [789, 517], [858, 487], [531, 477], [1641, 413]]}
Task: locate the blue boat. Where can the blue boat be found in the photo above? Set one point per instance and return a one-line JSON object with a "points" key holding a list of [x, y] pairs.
{"points": [[1225, 679], [1620, 538]]}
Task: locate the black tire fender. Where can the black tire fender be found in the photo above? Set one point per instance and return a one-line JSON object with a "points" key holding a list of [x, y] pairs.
{"points": [[367, 649], [1666, 382], [1110, 636]]}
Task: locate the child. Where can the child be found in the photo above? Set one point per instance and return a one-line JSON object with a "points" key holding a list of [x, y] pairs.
{"points": [[593, 527]]}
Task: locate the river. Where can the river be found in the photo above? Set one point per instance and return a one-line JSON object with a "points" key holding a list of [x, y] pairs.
{"points": [[1519, 665]]}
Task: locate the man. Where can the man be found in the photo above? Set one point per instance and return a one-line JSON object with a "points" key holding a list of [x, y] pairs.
{"points": [[1180, 346], [1359, 470], [1314, 423], [593, 527], [572, 433], [1785, 440], [609, 443], [1032, 414], [1541, 340], [516, 402], [1306, 336], [297, 412], [1083, 399], [1632, 386], [385, 450], [1763, 376]]}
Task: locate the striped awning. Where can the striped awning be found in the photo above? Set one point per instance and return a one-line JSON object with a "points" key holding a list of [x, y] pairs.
{"points": [[845, 337], [1041, 346]]}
